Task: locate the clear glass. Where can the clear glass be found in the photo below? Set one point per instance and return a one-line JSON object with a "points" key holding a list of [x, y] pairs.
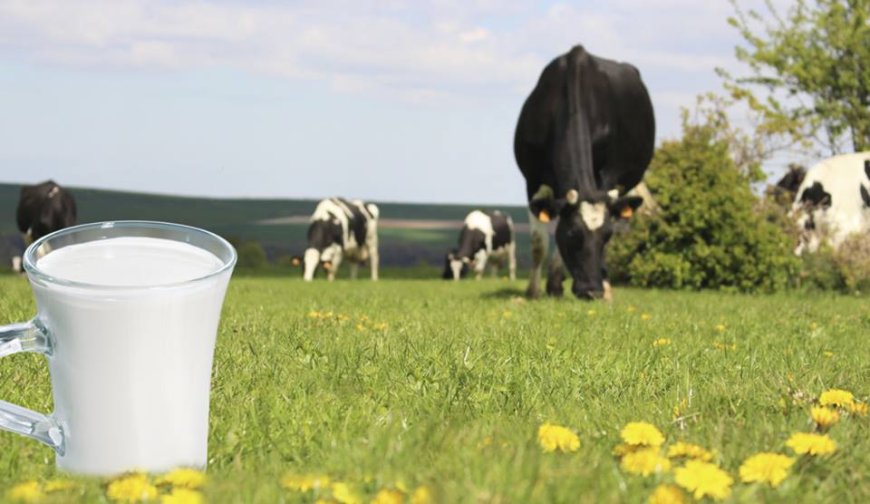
{"points": [[130, 365]]}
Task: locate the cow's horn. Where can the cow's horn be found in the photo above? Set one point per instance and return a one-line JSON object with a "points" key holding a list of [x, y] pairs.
{"points": [[572, 197]]}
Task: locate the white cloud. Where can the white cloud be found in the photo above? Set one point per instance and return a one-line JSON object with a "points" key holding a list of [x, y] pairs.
{"points": [[441, 46]]}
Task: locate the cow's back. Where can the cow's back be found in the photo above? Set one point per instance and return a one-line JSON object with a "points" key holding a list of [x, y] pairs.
{"points": [[44, 208], [619, 120]]}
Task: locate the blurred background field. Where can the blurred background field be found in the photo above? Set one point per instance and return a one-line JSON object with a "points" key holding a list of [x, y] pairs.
{"points": [[402, 384], [410, 234]]}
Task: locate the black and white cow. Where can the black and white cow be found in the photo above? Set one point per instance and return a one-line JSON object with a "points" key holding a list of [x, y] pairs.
{"points": [[342, 229], [486, 238], [584, 138], [43, 208], [833, 201]]}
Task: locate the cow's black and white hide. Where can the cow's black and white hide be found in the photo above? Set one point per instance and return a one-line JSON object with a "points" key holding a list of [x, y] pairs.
{"points": [[42, 209], [833, 201], [485, 238], [584, 138], [340, 230]]}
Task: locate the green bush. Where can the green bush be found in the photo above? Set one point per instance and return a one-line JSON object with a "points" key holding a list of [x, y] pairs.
{"points": [[711, 232], [251, 255]]}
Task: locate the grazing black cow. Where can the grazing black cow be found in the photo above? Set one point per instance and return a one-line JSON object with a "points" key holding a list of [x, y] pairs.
{"points": [[584, 138], [833, 201], [342, 229], [486, 237], [42, 209]]}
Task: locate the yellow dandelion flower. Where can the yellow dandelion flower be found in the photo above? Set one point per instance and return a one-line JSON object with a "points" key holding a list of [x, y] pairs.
{"points": [[824, 417], [305, 482], [27, 491], [718, 345], [59, 485], [645, 316], [704, 479], [859, 408], [134, 487], [422, 495], [828, 354], [183, 477], [661, 342], [382, 326], [644, 462], [811, 444], [342, 493], [642, 434], [690, 451], [622, 449], [766, 467], [667, 494], [507, 314], [314, 314], [555, 437], [720, 327], [389, 496], [591, 313], [182, 496], [814, 326], [836, 397], [631, 309]]}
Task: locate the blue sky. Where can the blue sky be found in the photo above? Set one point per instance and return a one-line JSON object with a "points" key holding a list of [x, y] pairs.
{"points": [[387, 100]]}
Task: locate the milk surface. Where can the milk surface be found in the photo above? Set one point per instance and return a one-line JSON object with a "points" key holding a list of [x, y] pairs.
{"points": [[132, 363], [130, 261]]}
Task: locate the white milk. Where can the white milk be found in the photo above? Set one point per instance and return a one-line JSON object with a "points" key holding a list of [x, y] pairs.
{"points": [[132, 362]]}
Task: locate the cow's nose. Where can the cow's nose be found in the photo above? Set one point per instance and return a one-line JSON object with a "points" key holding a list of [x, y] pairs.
{"points": [[589, 292]]}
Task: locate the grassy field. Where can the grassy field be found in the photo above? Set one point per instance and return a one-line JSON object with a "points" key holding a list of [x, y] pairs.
{"points": [[401, 384]]}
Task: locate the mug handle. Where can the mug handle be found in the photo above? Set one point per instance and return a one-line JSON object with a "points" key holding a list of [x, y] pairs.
{"points": [[28, 337]]}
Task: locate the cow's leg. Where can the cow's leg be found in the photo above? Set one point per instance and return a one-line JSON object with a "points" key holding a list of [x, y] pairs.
{"points": [[354, 269], [540, 243], [333, 269], [480, 259], [372, 241], [555, 276], [16, 264], [512, 260]]}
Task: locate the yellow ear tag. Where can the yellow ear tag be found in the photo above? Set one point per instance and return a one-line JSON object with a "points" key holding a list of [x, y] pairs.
{"points": [[327, 265], [626, 212], [295, 262], [544, 216]]}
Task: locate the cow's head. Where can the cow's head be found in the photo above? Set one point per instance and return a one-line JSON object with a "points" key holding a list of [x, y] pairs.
{"points": [[454, 266], [324, 246], [585, 226], [808, 213]]}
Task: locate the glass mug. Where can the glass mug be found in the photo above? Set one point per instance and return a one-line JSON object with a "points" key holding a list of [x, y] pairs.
{"points": [[127, 315]]}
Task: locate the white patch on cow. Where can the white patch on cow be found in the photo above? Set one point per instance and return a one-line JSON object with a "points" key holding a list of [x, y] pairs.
{"points": [[53, 192], [841, 177], [613, 194], [593, 214], [456, 268]]}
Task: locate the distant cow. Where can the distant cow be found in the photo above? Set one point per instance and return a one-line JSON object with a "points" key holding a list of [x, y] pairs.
{"points": [[42, 209], [342, 229], [584, 138], [486, 238], [787, 186], [833, 201]]}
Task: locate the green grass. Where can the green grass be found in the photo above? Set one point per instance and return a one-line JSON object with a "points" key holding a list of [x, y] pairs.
{"points": [[451, 393]]}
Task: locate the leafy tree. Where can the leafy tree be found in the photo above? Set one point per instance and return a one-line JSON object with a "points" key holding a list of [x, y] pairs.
{"points": [[809, 71], [711, 230]]}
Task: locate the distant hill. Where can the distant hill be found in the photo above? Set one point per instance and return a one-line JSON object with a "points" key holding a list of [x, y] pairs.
{"points": [[410, 234]]}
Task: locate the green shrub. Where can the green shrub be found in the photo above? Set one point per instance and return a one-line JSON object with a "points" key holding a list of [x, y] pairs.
{"points": [[711, 232], [251, 255]]}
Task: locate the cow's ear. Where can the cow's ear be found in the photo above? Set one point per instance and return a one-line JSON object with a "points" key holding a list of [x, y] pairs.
{"points": [[624, 207]]}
